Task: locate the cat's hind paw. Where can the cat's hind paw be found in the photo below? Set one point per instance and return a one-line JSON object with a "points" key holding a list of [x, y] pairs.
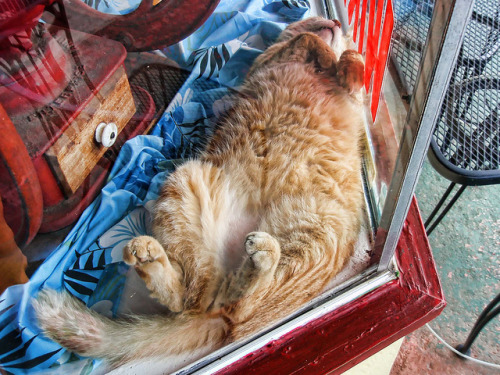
{"points": [[263, 249], [151, 263], [254, 277], [141, 250]]}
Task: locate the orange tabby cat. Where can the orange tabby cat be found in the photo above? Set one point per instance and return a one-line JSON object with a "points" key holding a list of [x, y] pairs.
{"points": [[258, 225]]}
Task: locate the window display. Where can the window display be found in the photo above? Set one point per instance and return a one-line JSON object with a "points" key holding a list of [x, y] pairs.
{"points": [[231, 171]]}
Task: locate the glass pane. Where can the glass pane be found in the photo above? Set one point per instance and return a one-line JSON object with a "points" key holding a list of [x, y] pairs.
{"points": [[446, 24], [103, 101]]}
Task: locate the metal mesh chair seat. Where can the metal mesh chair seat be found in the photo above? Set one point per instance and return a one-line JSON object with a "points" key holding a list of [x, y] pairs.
{"points": [[466, 143]]}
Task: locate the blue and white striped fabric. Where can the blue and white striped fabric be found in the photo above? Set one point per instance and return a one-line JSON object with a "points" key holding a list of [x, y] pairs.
{"points": [[88, 263]]}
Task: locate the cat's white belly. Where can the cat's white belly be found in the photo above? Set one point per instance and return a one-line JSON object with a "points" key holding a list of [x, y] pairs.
{"points": [[236, 228]]}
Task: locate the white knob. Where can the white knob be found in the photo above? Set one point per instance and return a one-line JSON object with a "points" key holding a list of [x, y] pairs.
{"points": [[106, 134]]}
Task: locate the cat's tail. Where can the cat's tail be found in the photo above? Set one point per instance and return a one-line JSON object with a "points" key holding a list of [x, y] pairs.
{"points": [[85, 332]]}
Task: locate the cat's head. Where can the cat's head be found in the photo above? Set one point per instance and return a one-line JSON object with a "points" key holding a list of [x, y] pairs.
{"points": [[328, 30]]}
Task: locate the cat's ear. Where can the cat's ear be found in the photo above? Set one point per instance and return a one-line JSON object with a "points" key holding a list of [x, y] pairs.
{"points": [[350, 71]]}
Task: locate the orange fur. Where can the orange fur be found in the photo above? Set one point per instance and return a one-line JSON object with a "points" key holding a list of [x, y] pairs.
{"points": [[260, 223]]}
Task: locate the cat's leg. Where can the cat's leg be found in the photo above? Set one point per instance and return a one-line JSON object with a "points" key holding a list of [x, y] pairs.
{"points": [[163, 279], [304, 48], [247, 287], [350, 71]]}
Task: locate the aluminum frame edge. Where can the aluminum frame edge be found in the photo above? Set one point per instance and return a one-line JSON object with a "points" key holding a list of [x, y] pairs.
{"points": [[445, 35]]}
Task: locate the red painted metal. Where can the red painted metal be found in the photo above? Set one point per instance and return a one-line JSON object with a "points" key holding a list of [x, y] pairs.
{"points": [[348, 335], [373, 38], [147, 28], [48, 86], [38, 126], [51, 191], [18, 15], [36, 72], [19, 186]]}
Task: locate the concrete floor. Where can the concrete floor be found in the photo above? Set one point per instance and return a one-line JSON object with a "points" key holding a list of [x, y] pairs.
{"points": [[466, 250]]}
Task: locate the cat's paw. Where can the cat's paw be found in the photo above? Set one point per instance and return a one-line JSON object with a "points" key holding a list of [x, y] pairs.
{"points": [[142, 250], [350, 71], [263, 249], [152, 264], [310, 44]]}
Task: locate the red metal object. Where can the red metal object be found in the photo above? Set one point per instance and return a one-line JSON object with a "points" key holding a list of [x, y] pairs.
{"points": [[19, 187], [147, 28], [27, 77], [31, 78], [374, 38], [38, 126], [16, 16], [341, 339], [52, 75], [93, 62]]}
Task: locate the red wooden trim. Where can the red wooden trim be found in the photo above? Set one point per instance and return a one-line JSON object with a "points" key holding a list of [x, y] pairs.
{"points": [[348, 335]]}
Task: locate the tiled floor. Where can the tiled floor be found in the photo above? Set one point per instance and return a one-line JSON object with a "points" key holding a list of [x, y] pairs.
{"points": [[466, 248], [378, 364]]}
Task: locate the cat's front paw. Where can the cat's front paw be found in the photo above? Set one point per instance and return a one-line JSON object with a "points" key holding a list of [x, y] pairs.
{"points": [[263, 249], [141, 250], [350, 71]]}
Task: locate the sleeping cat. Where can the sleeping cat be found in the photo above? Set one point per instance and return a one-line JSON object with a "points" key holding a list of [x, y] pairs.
{"points": [[258, 225]]}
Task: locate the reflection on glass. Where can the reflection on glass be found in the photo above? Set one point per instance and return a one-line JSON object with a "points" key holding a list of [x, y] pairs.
{"points": [[370, 24], [82, 90]]}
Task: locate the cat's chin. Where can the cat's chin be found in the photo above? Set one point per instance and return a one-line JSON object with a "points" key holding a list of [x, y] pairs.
{"points": [[328, 35], [338, 37], [331, 33], [339, 42]]}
